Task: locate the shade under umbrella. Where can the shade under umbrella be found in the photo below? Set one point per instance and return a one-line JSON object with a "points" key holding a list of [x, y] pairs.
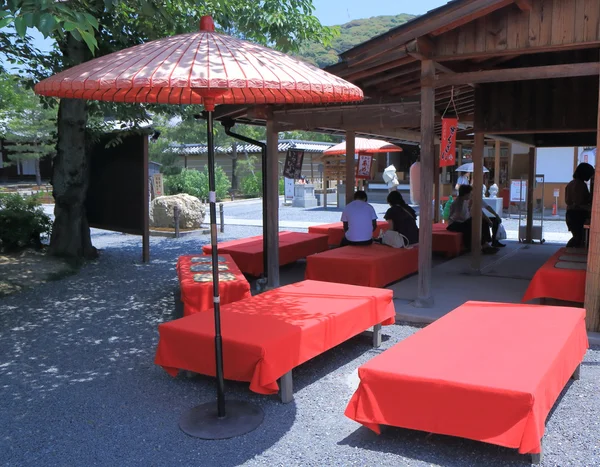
{"points": [[468, 167], [363, 146], [204, 68]]}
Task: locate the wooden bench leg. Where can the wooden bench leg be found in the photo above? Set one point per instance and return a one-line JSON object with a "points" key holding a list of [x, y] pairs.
{"points": [[538, 458], [286, 388], [577, 373], [377, 335]]}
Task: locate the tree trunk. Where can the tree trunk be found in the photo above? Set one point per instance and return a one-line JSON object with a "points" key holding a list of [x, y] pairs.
{"points": [[70, 172], [38, 177]]}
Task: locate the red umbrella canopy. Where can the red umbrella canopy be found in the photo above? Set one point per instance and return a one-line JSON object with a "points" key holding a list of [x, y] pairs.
{"points": [[363, 146], [199, 68]]}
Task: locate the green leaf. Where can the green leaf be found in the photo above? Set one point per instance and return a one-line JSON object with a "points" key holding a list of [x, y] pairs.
{"points": [[46, 24], [70, 26], [92, 20], [4, 13], [5, 22], [20, 26], [89, 39]]}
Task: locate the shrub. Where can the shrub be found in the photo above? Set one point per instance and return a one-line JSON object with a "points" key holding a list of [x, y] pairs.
{"points": [[251, 179], [195, 183], [23, 222]]}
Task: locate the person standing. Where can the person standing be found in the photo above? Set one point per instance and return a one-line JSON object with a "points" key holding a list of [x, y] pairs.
{"points": [[579, 203], [463, 179], [360, 221]]}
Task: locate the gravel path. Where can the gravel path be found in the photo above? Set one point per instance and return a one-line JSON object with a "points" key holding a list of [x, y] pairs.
{"points": [[78, 385]]}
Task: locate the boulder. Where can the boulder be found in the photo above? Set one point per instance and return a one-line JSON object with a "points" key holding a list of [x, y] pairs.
{"points": [[191, 211]]}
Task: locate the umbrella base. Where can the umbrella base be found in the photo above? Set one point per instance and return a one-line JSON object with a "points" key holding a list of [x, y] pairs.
{"points": [[202, 421]]}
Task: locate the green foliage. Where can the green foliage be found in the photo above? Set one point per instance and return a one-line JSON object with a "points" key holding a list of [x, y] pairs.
{"points": [[195, 183], [351, 34], [250, 180], [22, 222]]}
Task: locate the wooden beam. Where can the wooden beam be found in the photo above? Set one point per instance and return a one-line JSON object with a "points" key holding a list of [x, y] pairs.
{"points": [[421, 48], [272, 227], [518, 74], [406, 70], [497, 163], [424, 296], [350, 178], [477, 196], [592, 279], [524, 5]]}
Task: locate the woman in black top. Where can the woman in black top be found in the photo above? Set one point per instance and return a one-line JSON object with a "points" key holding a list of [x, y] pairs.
{"points": [[579, 203], [402, 218]]}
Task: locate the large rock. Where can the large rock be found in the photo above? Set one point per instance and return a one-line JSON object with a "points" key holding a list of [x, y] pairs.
{"points": [[191, 211]]}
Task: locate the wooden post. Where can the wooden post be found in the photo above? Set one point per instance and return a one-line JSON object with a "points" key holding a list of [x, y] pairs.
{"points": [[530, 183], [477, 201], [509, 168], [436, 184], [497, 164], [424, 297], [146, 208], [350, 180], [460, 154], [272, 195], [575, 158], [592, 280], [312, 172]]}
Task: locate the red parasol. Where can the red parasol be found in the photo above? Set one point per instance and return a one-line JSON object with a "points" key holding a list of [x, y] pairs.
{"points": [[203, 68], [363, 146]]}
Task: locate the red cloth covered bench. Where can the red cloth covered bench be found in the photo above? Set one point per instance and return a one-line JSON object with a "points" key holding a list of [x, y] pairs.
{"points": [[372, 266], [266, 336], [248, 252], [560, 284], [446, 242], [489, 372], [198, 296], [335, 231]]}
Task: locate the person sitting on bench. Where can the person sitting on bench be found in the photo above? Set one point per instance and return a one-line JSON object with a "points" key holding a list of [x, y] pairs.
{"points": [[494, 222], [461, 221], [402, 218], [360, 221]]}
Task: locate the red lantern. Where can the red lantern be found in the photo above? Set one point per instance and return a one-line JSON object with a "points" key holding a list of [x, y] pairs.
{"points": [[448, 142]]}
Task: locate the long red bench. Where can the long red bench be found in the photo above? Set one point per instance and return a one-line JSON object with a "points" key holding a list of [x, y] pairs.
{"points": [[335, 231], [372, 266], [489, 372], [266, 336], [445, 242], [248, 252]]}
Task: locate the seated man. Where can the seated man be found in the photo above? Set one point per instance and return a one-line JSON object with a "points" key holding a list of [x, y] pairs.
{"points": [[494, 223], [461, 220], [360, 221]]}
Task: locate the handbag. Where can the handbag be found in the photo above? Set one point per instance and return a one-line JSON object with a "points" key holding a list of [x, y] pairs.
{"points": [[394, 239], [501, 235]]}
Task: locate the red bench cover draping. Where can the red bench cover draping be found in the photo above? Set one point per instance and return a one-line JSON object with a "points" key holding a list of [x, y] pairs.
{"points": [[486, 371], [372, 266], [198, 296], [335, 231], [248, 252], [269, 334], [560, 284], [446, 242]]}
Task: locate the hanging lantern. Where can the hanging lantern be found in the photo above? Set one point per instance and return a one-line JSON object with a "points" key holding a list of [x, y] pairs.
{"points": [[448, 142], [415, 183]]}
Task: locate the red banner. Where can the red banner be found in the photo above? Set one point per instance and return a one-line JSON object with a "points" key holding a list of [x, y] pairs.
{"points": [[448, 142], [363, 167]]}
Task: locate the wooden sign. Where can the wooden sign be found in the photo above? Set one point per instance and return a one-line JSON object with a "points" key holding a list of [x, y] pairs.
{"points": [[293, 163], [448, 142], [157, 185]]}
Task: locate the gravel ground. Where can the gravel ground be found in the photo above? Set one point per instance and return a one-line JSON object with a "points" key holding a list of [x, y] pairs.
{"points": [[78, 385]]}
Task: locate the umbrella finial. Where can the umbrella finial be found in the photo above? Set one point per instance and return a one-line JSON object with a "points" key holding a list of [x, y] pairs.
{"points": [[207, 24]]}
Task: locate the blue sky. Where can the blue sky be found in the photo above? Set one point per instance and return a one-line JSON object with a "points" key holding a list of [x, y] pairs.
{"points": [[332, 12]]}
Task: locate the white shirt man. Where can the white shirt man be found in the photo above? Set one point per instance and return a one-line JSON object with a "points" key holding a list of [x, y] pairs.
{"points": [[360, 221], [462, 180]]}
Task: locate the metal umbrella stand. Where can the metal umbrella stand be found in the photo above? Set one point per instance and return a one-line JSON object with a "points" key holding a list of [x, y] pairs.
{"points": [[205, 68]]}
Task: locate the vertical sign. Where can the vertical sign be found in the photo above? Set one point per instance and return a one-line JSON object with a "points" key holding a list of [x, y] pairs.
{"points": [[288, 186], [293, 163], [157, 185], [363, 167], [448, 142], [518, 191]]}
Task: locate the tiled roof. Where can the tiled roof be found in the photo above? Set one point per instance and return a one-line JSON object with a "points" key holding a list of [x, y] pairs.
{"points": [[200, 148]]}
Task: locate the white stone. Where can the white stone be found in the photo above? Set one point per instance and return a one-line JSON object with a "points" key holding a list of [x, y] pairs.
{"points": [[191, 210]]}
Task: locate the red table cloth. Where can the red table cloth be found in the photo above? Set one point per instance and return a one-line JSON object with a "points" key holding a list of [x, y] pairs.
{"points": [[560, 284], [372, 266], [486, 371], [335, 231], [269, 334], [198, 296], [248, 252]]}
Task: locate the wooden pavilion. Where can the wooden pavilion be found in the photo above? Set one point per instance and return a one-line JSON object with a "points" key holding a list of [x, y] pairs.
{"points": [[522, 71]]}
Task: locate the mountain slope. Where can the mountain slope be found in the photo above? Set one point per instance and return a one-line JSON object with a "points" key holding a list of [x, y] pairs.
{"points": [[351, 34]]}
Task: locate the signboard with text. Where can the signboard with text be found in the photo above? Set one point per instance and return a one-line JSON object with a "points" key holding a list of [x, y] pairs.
{"points": [[363, 166], [293, 163], [157, 185], [518, 191], [448, 142]]}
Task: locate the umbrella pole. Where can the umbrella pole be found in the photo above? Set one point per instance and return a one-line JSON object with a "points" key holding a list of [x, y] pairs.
{"points": [[241, 417]]}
